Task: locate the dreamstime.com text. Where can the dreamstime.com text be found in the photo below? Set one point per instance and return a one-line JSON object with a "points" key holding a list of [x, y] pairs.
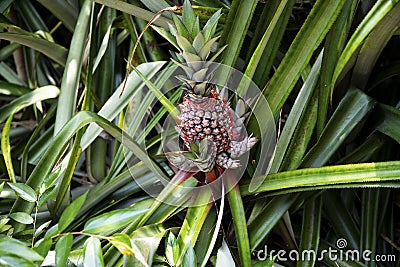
{"points": [[331, 254]]}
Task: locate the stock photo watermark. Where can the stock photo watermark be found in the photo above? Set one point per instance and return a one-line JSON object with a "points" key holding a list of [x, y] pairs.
{"points": [[340, 253]]}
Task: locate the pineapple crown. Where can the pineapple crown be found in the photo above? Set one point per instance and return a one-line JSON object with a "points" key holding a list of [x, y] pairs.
{"points": [[195, 46]]}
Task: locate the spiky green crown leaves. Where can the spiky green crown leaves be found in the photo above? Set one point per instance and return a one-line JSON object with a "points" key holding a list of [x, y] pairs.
{"points": [[195, 47]]}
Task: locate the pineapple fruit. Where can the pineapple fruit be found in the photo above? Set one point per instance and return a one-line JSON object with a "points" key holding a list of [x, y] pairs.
{"points": [[211, 131]]}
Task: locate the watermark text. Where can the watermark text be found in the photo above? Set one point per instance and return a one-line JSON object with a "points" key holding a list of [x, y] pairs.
{"points": [[333, 254]]}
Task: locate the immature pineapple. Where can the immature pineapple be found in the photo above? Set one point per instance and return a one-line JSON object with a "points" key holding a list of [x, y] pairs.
{"points": [[208, 126]]}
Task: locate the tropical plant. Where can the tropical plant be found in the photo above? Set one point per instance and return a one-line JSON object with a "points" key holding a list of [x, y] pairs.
{"points": [[86, 89]]}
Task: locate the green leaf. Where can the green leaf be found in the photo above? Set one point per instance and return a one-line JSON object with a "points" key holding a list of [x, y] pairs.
{"points": [[372, 209], [198, 42], [190, 257], [211, 26], [23, 191], [161, 97], [184, 44], [161, 210], [333, 46], [196, 27], [310, 236], [239, 221], [50, 157], [123, 243], [64, 182], [54, 51], [189, 17], [70, 212], [41, 228], [73, 67], [21, 217], [48, 188], [168, 36], [262, 225], [10, 75], [63, 247], [353, 108], [3, 220], [388, 121], [298, 108], [310, 178], [236, 25], [15, 261], [103, 48], [156, 5], [63, 11], [147, 239], [341, 218], [265, 25], [312, 32], [135, 11], [76, 257], [13, 89], [12, 246], [256, 57], [32, 151], [364, 152], [119, 100], [37, 95], [50, 181], [32, 16], [374, 16], [52, 232], [180, 27], [194, 220], [172, 249], [4, 5], [46, 196], [43, 246], [155, 119], [93, 256], [2, 186], [369, 54], [205, 50], [112, 220], [6, 148], [302, 136], [101, 192], [206, 241]]}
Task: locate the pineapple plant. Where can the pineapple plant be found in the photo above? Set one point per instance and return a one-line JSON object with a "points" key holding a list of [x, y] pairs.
{"points": [[213, 134]]}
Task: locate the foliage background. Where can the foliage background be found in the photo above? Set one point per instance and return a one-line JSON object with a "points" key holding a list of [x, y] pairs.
{"points": [[329, 70]]}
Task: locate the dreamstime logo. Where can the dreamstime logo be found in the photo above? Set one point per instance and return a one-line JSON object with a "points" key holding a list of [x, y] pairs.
{"points": [[341, 243], [180, 192], [330, 254]]}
